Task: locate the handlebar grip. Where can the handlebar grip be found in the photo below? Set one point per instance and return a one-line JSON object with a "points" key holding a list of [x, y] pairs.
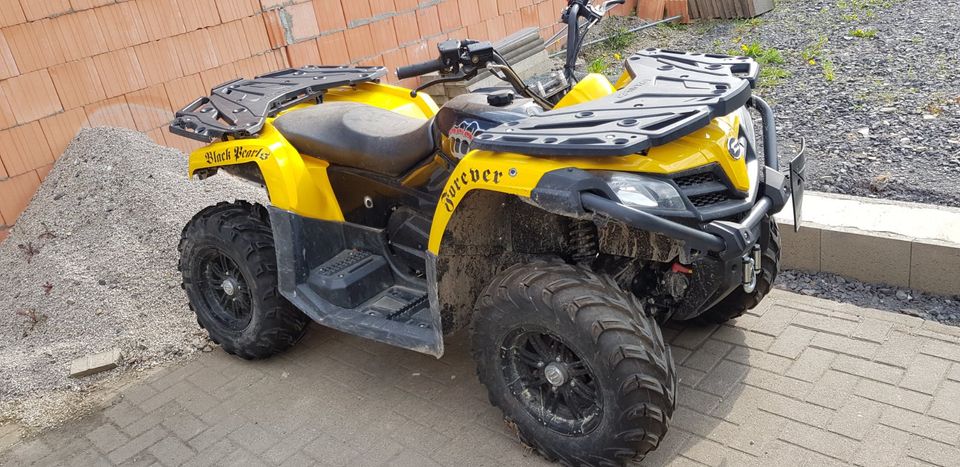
{"points": [[418, 69]]}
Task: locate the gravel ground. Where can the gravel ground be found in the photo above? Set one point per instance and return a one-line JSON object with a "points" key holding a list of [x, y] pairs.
{"points": [[882, 297], [880, 113], [91, 266]]}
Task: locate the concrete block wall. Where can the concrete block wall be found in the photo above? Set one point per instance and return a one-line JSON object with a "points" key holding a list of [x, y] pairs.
{"points": [[877, 241], [66, 64]]}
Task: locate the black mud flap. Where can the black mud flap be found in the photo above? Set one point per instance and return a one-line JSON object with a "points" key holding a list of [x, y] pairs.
{"points": [[798, 167]]}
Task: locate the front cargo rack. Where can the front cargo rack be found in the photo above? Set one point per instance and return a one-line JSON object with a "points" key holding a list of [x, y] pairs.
{"points": [[672, 94], [239, 108]]}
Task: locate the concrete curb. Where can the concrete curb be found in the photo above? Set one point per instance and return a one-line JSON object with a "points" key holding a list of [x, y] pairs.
{"points": [[879, 241]]}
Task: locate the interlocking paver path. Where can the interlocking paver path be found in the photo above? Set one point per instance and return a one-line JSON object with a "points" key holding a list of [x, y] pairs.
{"points": [[798, 381]]}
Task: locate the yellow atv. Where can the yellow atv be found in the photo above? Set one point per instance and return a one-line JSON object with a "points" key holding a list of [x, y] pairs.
{"points": [[561, 226]]}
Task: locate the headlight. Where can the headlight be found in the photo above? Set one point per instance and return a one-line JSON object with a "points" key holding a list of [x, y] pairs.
{"points": [[640, 192]]}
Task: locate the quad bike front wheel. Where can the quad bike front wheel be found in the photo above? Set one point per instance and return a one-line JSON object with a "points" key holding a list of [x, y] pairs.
{"points": [[229, 269], [739, 301], [574, 364]]}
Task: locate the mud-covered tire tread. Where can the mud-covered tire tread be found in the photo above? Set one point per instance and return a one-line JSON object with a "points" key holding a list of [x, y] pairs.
{"points": [[277, 325], [739, 302], [627, 340]]}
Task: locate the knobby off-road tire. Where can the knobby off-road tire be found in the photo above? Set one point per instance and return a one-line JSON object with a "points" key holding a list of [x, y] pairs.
{"points": [[617, 350], [233, 242], [738, 302]]}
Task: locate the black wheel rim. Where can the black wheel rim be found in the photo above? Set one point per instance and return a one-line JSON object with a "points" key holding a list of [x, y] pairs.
{"points": [[552, 383], [224, 289]]}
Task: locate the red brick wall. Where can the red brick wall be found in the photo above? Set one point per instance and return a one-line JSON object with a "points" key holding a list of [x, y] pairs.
{"points": [[65, 64]]}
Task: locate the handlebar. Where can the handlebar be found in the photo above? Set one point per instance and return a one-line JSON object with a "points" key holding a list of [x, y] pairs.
{"points": [[418, 69]]}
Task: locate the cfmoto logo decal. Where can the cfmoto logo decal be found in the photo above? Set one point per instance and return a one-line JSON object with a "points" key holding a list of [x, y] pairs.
{"points": [[736, 148], [462, 137]]}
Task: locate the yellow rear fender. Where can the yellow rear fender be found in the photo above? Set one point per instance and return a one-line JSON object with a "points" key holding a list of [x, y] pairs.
{"points": [[294, 183], [298, 182]]}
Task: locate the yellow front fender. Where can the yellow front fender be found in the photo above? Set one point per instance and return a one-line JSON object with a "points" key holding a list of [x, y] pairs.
{"points": [[518, 175]]}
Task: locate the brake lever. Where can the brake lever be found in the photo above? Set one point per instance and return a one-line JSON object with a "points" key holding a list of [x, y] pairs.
{"points": [[445, 79]]}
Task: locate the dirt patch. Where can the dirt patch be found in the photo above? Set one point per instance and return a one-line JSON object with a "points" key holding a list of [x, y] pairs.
{"points": [[91, 266]]}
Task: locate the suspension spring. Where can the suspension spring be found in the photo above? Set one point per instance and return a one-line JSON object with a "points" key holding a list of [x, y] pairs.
{"points": [[583, 240]]}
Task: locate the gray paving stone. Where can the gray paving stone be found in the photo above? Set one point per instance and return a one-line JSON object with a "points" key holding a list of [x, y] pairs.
{"points": [[139, 393], [170, 451], [30, 451], [697, 400], [946, 403], [826, 324], [142, 424], [706, 356], [775, 320], [213, 454], [243, 457], [932, 451], [794, 409], [689, 376], [791, 342], [743, 338], [778, 453], [710, 452], [892, 395], [839, 385], [752, 435], [856, 418], [106, 437], [818, 440], [925, 374], [811, 364], [941, 349], [693, 337], [867, 369], [124, 412], [289, 445], [217, 432], [845, 345], [133, 447], [87, 458], [900, 349], [954, 374], [779, 384], [873, 330], [410, 458], [330, 451], [757, 359], [832, 389], [883, 447], [253, 437], [94, 363], [298, 459], [183, 424], [723, 377], [921, 425]]}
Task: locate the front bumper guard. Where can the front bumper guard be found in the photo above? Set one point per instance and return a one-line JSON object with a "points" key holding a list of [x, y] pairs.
{"points": [[727, 239]]}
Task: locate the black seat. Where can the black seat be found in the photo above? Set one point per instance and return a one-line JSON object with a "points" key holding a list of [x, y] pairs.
{"points": [[359, 136]]}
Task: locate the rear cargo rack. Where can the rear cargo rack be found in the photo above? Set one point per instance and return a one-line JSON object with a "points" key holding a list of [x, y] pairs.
{"points": [[239, 108], [672, 95]]}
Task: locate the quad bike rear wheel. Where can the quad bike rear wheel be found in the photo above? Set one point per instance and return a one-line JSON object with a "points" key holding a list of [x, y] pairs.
{"points": [[574, 364], [229, 269], [739, 301]]}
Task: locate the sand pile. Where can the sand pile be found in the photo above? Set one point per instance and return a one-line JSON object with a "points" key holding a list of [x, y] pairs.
{"points": [[92, 265]]}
